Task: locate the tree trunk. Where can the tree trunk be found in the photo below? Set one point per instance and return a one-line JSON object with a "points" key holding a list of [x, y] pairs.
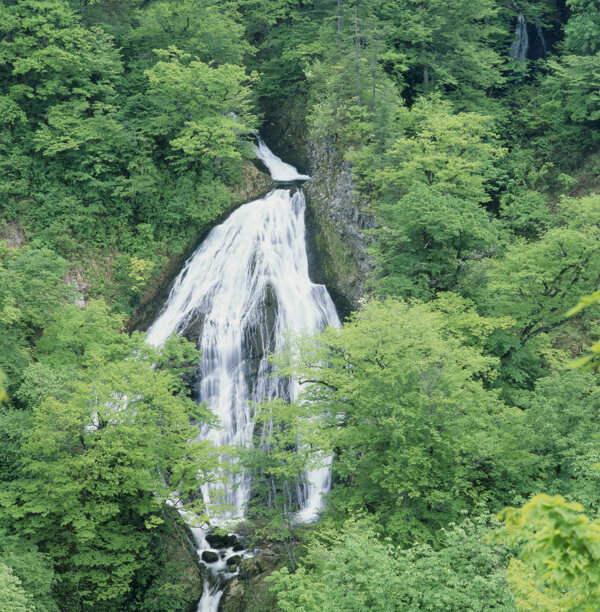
{"points": [[340, 24], [423, 53], [357, 49], [374, 75]]}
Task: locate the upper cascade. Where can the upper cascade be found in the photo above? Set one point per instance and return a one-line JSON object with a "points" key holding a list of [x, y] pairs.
{"points": [[520, 46], [279, 170]]}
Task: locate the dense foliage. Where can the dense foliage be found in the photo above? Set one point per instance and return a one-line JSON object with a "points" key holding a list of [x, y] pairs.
{"points": [[448, 396]]}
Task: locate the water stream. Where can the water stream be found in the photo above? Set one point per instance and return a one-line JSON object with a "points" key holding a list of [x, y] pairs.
{"points": [[237, 296]]}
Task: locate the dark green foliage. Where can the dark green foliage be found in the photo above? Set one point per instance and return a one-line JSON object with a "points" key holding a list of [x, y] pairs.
{"points": [[413, 427], [353, 570], [124, 126], [97, 154]]}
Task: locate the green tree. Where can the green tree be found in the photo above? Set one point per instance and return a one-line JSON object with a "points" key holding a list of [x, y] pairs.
{"points": [[465, 573], [202, 111], [3, 395], [532, 281], [12, 595], [428, 190], [343, 571], [351, 568], [449, 46], [557, 567], [561, 430], [410, 420], [32, 294], [291, 443], [47, 57], [34, 570], [210, 31], [97, 470]]}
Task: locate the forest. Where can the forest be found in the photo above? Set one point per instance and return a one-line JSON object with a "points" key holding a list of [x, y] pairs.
{"points": [[459, 400]]}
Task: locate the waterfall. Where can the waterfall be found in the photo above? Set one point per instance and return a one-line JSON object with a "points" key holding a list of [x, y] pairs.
{"points": [[279, 170], [541, 38], [520, 46], [238, 295]]}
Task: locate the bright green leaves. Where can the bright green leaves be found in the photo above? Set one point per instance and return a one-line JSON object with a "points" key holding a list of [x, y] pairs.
{"points": [[582, 34], [81, 340], [350, 568], [203, 110], [109, 438], [3, 395], [561, 431], [429, 186], [210, 31], [12, 595], [34, 571], [32, 287], [426, 241], [99, 465], [573, 88], [32, 293], [408, 413], [344, 571], [558, 564], [534, 282], [453, 152], [465, 573], [91, 149], [47, 56], [589, 361]]}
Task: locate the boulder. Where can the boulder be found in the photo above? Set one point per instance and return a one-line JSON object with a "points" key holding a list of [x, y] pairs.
{"points": [[209, 556], [234, 560], [221, 540]]}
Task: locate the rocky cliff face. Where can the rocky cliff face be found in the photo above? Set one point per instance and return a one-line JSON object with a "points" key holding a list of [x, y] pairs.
{"points": [[248, 591], [336, 218], [336, 224]]}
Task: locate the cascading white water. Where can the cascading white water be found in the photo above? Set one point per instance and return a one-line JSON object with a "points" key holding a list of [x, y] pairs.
{"points": [[245, 288], [279, 170], [541, 38], [520, 46]]}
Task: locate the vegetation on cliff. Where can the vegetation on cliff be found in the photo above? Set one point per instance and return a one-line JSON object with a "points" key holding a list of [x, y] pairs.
{"points": [[471, 132]]}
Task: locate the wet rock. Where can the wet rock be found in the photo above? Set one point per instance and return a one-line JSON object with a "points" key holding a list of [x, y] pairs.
{"points": [[208, 556], [248, 590], [337, 222], [265, 561], [235, 588], [221, 540], [234, 560], [193, 329], [239, 548], [13, 235], [336, 218], [248, 569], [76, 280]]}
